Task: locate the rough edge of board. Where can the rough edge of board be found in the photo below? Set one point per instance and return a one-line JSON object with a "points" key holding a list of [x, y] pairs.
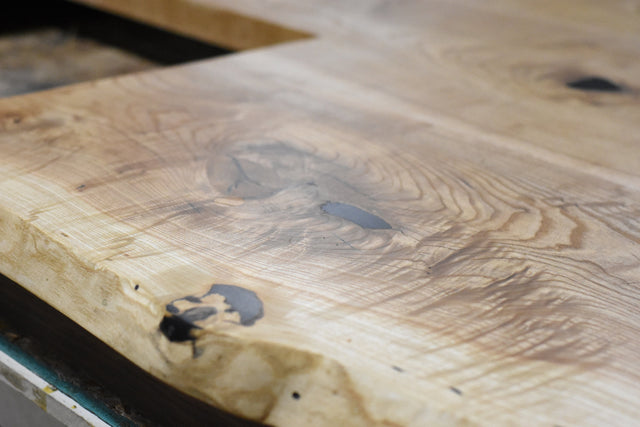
{"points": [[299, 383]]}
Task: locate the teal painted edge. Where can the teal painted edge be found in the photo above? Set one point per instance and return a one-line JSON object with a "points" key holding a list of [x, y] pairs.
{"points": [[98, 408]]}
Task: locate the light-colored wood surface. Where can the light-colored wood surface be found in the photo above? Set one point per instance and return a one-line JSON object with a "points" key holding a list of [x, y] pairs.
{"points": [[417, 221]]}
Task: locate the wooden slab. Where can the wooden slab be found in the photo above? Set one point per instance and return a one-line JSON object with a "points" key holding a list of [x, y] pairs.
{"points": [[424, 215]]}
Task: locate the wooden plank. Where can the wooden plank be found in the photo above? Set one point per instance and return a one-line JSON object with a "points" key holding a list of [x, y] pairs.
{"points": [[46, 44], [207, 21], [42, 59], [80, 366], [508, 79], [417, 223]]}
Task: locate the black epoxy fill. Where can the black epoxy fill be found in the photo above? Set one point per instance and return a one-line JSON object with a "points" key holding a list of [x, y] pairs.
{"points": [[356, 215], [177, 329], [178, 325], [171, 307], [198, 313], [594, 84], [243, 301]]}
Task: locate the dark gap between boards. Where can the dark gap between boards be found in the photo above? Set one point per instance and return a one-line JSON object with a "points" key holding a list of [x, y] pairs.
{"points": [[50, 43]]}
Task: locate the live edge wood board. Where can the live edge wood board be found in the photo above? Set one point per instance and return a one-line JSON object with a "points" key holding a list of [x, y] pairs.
{"points": [[395, 213]]}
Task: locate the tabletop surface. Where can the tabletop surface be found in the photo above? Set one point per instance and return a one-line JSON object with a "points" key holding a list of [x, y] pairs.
{"points": [[376, 213]]}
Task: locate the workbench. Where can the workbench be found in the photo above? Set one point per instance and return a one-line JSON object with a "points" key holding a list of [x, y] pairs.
{"points": [[373, 213]]}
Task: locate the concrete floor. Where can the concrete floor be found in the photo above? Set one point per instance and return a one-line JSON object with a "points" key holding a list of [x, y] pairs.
{"points": [[18, 411]]}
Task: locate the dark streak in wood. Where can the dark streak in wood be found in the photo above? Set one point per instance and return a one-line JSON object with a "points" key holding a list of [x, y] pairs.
{"points": [[594, 84], [356, 215], [456, 390]]}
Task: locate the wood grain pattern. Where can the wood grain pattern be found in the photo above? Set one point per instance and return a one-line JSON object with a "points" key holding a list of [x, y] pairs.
{"points": [[413, 221], [83, 367], [205, 20]]}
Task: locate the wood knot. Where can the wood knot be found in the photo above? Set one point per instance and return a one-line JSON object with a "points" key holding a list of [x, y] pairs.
{"points": [[226, 303]]}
